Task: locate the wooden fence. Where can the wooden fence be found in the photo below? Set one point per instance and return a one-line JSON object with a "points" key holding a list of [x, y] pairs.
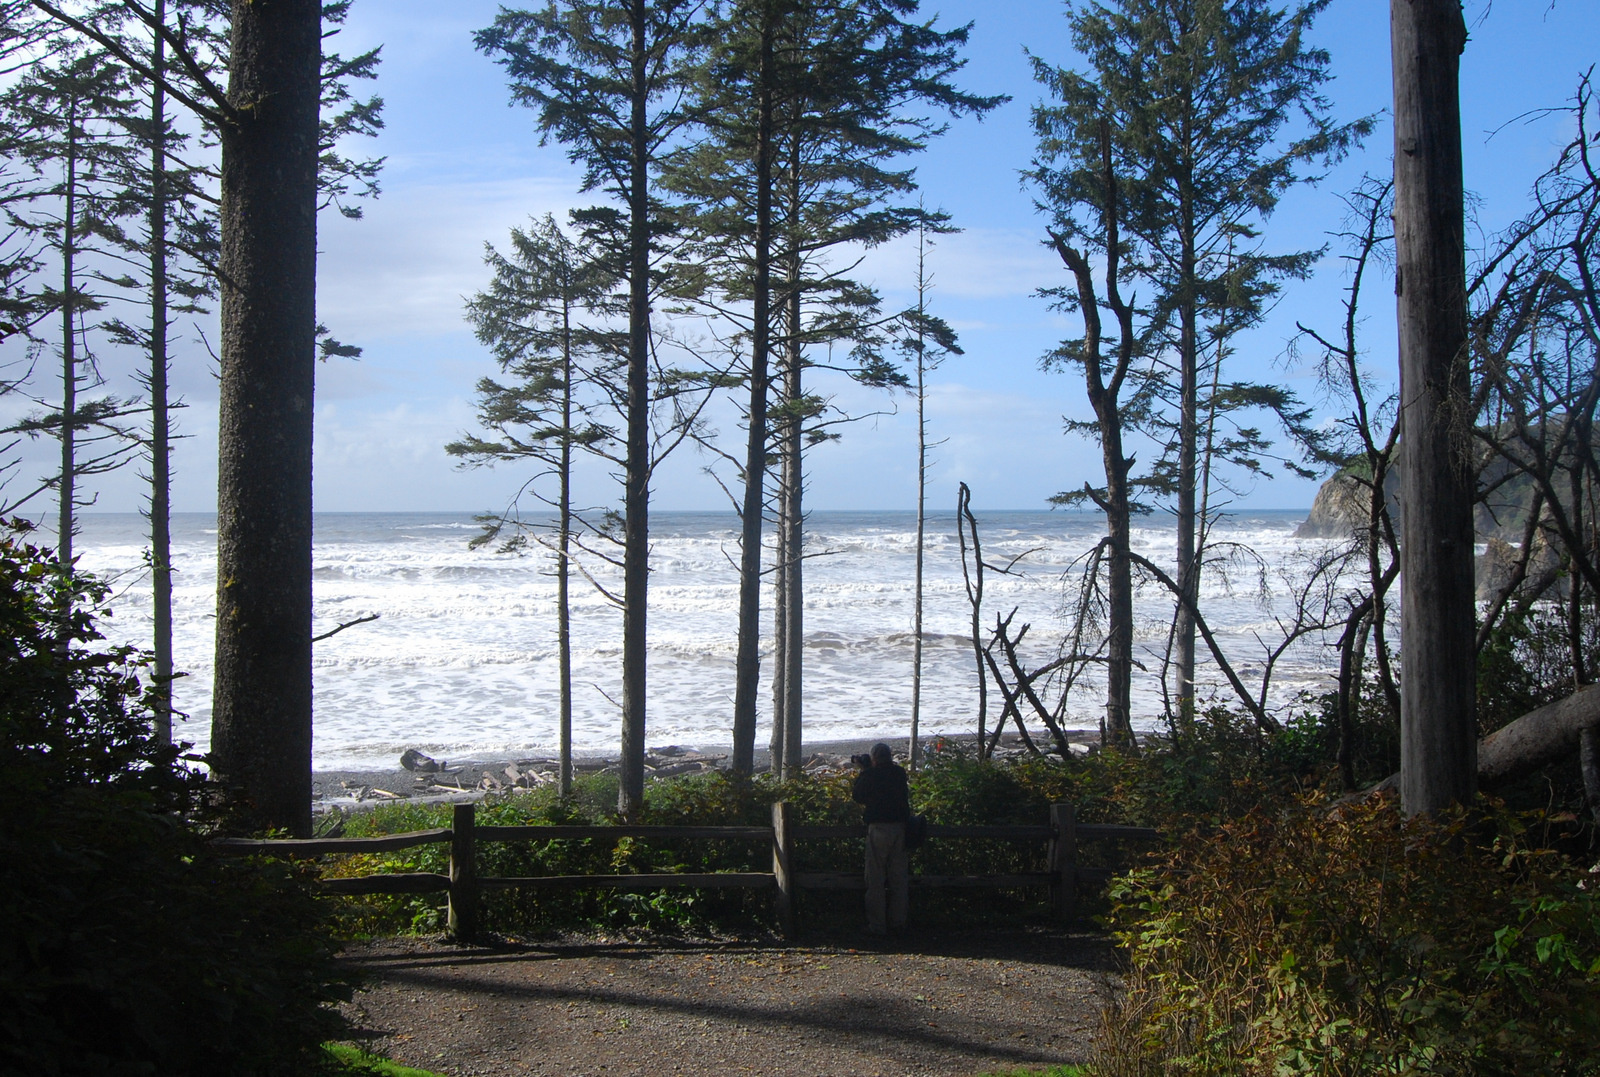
{"points": [[465, 886]]}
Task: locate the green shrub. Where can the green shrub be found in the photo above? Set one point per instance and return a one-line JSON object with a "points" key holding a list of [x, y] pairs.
{"points": [[702, 800], [1353, 941], [126, 945], [951, 788]]}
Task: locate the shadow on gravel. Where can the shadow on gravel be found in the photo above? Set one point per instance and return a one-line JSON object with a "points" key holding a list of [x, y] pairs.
{"points": [[870, 1026], [1090, 951], [940, 1001]]}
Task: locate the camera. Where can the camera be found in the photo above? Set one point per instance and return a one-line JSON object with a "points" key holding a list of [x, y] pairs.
{"points": [[863, 760]]}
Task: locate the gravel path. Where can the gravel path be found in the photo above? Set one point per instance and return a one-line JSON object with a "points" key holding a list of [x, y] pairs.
{"points": [[947, 1004]]}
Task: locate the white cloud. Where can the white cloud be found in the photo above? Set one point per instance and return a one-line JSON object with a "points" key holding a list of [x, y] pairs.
{"points": [[979, 263], [405, 267]]}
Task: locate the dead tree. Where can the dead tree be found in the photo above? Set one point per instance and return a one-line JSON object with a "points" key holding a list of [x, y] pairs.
{"points": [[1437, 724]]}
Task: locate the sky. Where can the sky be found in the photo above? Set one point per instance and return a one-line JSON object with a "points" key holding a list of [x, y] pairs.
{"points": [[463, 167]]}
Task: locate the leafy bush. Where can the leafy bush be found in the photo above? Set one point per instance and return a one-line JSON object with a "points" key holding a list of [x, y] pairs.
{"points": [[126, 945], [1354, 941], [701, 800], [951, 788], [73, 711]]}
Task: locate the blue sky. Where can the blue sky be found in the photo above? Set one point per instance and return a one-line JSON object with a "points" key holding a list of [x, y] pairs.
{"points": [[463, 168]]}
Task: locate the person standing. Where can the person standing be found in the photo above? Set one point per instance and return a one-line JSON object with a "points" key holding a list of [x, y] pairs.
{"points": [[882, 791]]}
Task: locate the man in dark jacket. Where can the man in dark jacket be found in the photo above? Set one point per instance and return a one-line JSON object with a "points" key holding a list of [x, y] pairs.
{"points": [[881, 789]]}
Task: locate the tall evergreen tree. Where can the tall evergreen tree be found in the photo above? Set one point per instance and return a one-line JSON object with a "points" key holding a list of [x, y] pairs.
{"points": [[1200, 95], [547, 317], [1076, 175], [171, 262], [607, 81], [803, 104], [268, 124], [727, 183], [278, 167], [73, 106]]}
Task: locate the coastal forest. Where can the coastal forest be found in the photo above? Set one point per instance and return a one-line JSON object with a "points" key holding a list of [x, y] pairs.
{"points": [[1389, 876]]}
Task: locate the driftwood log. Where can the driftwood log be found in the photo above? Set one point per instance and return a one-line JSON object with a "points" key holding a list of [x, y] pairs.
{"points": [[1534, 741]]}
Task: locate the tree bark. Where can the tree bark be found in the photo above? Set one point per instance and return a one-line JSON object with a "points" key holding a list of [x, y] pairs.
{"points": [[780, 613], [1188, 526], [160, 421], [1539, 738], [67, 490], [636, 497], [914, 749], [1437, 737], [747, 665], [1105, 398], [1589, 763], [564, 543], [261, 719], [793, 525]]}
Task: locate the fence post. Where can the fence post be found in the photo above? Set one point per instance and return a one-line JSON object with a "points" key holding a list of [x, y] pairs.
{"points": [[463, 915], [782, 848], [1064, 858]]}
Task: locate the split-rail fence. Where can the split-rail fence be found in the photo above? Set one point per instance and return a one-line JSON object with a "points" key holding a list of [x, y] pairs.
{"points": [[465, 886]]}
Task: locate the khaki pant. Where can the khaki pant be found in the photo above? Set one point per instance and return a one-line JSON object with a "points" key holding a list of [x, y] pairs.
{"points": [[887, 871]]}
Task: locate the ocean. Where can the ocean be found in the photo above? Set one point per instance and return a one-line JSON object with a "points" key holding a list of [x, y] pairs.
{"points": [[461, 662]]}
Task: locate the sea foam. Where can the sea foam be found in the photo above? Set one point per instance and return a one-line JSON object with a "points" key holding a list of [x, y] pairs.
{"points": [[462, 661]]}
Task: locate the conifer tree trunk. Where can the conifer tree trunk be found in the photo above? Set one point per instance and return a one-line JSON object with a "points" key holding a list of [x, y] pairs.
{"points": [[66, 507], [1188, 439], [636, 496], [780, 613], [261, 739], [1438, 743], [915, 748], [793, 524], [160, 423], [564, 546], [748, 663], [1105, 398]]}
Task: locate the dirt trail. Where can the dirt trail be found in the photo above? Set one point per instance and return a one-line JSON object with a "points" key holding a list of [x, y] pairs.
{"points": [[948, 1005]]}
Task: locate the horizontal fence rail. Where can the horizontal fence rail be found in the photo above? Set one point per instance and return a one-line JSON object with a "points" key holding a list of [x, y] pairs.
{"points": [[465, 886]]}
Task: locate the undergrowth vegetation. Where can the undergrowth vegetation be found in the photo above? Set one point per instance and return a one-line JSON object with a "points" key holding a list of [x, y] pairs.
{"points": [[1305, 938], [1277, 931], [126, 945], [1218, 768]]}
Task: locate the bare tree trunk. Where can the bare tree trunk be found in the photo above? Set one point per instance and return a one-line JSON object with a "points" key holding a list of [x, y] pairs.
{"points": [[1438, 734], [1534, 741], [747, 665], [636, 498], [261, 720], [967, 524]]}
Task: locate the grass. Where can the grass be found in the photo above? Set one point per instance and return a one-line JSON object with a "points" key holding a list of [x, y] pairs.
{"points": [[1054, 1071], [354, 1062]]}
